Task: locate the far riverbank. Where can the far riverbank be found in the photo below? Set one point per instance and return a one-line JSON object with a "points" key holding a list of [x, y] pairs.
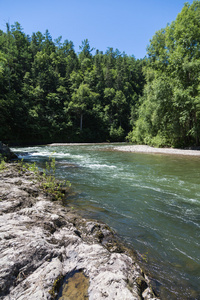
{"points": [[138, 148]]}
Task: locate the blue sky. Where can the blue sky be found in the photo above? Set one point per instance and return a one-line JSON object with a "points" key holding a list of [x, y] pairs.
{"points": [[127, 25]]}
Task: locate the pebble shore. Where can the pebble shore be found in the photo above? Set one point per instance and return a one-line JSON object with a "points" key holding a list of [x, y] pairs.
{"points": [[148, 149]]}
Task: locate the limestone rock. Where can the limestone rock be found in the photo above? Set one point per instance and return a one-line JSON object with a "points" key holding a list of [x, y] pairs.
{"points": [[42, 241]]}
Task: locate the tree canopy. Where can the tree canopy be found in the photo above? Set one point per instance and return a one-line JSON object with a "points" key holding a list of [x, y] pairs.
{"points": [[169, 110], [50, 93]]}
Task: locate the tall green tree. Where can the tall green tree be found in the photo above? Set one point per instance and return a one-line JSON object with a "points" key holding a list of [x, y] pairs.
{"points": [[169, 110], [82, 101]]}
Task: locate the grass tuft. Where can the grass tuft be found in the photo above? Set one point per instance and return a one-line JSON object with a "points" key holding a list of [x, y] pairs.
{"points": [[47, 179]]}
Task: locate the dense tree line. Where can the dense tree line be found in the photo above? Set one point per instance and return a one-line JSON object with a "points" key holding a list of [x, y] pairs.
{"points": [[169, 110], [50, 93]]}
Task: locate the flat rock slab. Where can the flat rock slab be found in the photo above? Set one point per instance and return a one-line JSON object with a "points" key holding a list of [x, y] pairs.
{"points": [[43, 242]]}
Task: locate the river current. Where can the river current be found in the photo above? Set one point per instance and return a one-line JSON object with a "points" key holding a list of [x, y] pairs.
{"points": [[152, 201]]}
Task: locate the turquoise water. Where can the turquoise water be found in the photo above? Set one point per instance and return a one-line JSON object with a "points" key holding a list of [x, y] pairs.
{"points": [[151, 200]]}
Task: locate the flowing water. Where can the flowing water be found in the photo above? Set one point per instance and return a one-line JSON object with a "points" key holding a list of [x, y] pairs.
{"points": [[151, 200]]}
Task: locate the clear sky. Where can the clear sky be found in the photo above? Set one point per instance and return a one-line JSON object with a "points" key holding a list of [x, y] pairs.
{"points": [[127, 25]]}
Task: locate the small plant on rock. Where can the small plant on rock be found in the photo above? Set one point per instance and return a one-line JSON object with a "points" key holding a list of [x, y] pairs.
{"points": [[2, 163], [47, 178]]}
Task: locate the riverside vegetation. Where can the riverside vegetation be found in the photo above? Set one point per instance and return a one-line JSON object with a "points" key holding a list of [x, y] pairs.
{"points": [[2, 163], [50, 93], [47, 179]]}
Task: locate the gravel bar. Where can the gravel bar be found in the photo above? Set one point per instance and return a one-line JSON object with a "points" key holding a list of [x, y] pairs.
{"points": [[148, 149]]}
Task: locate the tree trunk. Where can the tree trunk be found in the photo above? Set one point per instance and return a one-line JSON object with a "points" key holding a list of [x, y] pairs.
{"points": [[81, 122]]}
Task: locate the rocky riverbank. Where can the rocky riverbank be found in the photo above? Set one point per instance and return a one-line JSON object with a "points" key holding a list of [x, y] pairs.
{"points": [[48, 251]]}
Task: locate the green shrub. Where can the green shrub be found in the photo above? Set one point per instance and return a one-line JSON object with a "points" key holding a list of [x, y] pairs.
{"points": [[116, 134], [47, 178], [2, 163]]}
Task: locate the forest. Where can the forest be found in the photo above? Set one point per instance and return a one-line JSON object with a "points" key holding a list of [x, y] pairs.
{"points": [[50, 93]]}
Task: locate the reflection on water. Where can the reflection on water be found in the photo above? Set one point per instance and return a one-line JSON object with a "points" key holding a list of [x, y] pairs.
{"points": [[152, 201]]}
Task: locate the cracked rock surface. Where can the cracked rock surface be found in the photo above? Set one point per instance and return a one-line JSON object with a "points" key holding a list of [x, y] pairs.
{"points": [[42, 241]]}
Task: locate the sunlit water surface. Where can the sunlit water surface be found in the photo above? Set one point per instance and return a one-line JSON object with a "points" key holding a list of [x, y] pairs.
{"points": [[151, 200]]}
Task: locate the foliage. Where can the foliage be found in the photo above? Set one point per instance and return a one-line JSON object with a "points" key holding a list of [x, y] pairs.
{"points": [[117, 134], [50, 93], [2, 163], [169, 110], [47, 179]]}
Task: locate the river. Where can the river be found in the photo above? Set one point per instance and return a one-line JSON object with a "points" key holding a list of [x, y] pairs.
{"points": [[152, 201]]}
